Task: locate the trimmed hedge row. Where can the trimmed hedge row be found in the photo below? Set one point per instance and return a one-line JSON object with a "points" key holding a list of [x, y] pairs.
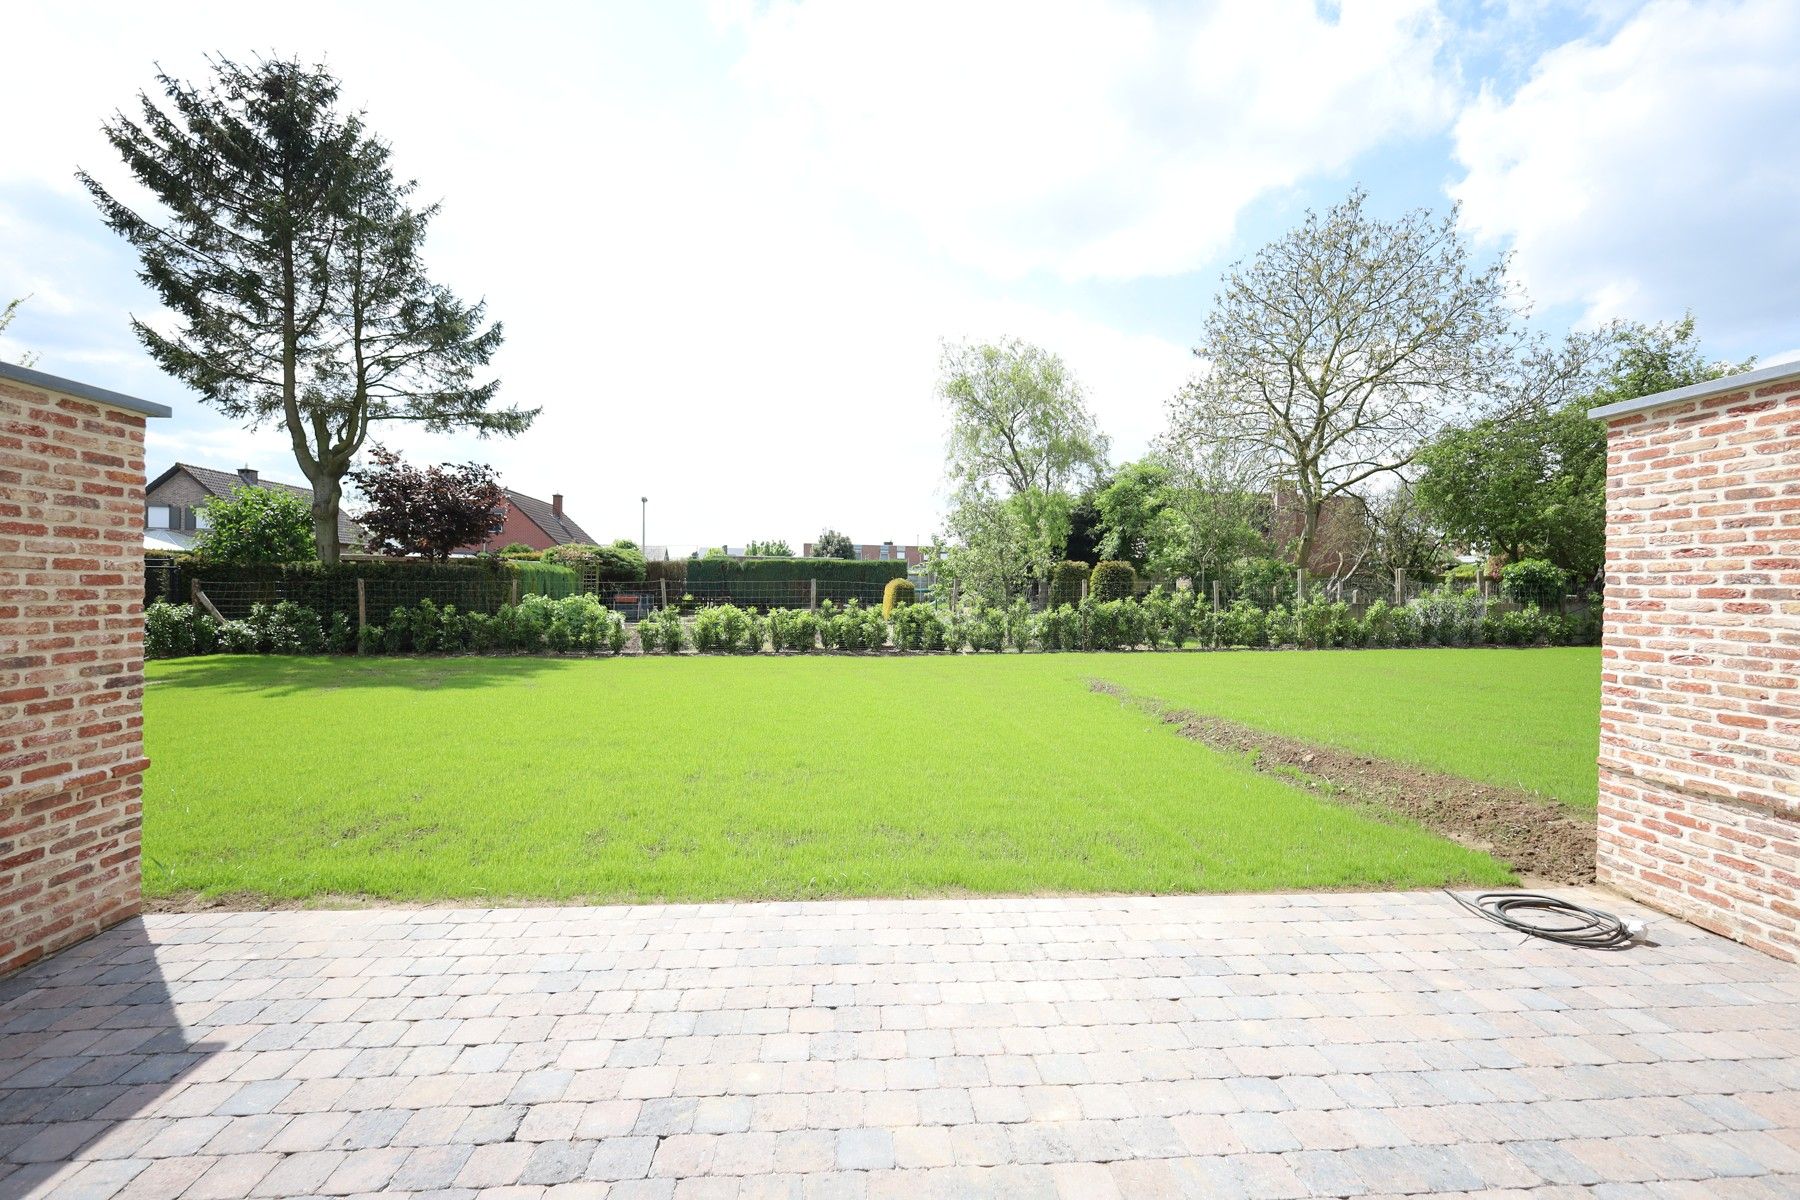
{"points": [[571, 624], [786, 570], [1159, 620], [327, 588]]}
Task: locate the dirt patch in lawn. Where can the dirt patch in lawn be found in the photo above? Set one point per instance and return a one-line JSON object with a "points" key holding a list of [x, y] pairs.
{"points": [[1539, 839]]}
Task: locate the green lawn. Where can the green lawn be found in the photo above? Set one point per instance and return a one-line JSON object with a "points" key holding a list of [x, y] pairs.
{"points": [[1522, 718], [711, 778]]}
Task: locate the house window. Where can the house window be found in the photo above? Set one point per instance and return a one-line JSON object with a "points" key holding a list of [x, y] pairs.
{"points": [[157, 517]]}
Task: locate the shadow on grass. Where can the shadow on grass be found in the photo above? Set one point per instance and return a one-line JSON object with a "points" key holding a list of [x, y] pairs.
{"points": [[280, 675]]}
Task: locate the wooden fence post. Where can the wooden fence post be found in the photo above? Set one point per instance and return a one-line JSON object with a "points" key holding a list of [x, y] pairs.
{"points": [[362, 610], [662, 586], [515, 592], [812, 595], [1399, 586], [1299, 585]]}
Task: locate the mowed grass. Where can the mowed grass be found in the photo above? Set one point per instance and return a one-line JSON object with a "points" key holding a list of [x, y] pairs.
{"points": [[716, 778], [1526, 719]]}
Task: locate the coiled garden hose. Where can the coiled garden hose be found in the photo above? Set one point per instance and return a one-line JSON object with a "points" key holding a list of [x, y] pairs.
{"points": [[1567, 923]]}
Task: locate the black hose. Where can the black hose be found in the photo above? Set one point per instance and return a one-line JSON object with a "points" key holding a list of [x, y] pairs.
{"points": [[1570, 924]]}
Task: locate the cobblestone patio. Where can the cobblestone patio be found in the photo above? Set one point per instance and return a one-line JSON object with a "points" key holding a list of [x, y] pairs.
{"points": [[1272, 1046]]}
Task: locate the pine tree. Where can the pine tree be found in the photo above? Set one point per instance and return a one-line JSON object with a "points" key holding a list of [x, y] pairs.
{"points": [[290, 257]]}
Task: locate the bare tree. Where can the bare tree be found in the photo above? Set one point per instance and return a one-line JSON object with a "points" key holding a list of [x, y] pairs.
{"points": [[1339, 349]]}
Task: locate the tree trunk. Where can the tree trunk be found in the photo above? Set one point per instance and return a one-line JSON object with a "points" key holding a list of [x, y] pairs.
{"points": [[327, 493], [1309, 532]]}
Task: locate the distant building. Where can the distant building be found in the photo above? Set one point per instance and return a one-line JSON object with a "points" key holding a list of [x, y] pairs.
{"points": [[536, 523], [173, 503], [912, 556]]}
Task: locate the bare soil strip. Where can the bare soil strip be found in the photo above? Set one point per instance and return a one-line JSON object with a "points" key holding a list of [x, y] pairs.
{"points": [[1539, 839]]}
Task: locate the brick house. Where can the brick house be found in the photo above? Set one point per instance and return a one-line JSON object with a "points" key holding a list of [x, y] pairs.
{"points": [[1700, 683], [880, 552], [538, 524], [71, 660], [172, 503]]}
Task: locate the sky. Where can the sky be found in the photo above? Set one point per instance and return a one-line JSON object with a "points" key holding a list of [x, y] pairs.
{"points": [[727, 240]]}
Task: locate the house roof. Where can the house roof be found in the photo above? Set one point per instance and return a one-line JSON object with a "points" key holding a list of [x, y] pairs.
{"points": [[543, 515], [83, 391], [1698, 391], [220, 483]]}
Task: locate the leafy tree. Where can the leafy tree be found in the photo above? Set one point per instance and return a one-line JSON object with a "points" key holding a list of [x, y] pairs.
{"points": [[430, 511], [832, 544], [774, 548], [1213, 513], [290, 257], [1534, 483], [256, 525], [1343, 346], [1018, 420], [1131, 506], [995, 549], [7, 314]]}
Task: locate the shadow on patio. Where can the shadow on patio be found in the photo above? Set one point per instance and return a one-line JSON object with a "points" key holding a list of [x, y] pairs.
{"points": [[88, 1039]]}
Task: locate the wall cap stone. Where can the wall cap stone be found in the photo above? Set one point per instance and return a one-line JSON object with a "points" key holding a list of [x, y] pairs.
{"points": [[1698, 391], [81, 391]]}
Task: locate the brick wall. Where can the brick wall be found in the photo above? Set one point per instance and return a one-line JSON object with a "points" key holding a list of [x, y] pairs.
{"points": [[71, 665], [1700, 691]]}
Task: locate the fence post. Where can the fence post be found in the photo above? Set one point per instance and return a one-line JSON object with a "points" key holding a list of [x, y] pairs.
{"points": [[362, 610], [515, 592], [812, 595], [1299, 585], [1215, 615], [1399, 586], [662, 586]]}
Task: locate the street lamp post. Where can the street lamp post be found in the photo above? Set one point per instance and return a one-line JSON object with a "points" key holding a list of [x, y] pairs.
{"points": [[643, 524]]}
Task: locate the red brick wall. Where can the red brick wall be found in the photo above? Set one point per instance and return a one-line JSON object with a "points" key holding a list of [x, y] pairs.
{"points": [[1700, 686], [71, 668], [518, 528]]}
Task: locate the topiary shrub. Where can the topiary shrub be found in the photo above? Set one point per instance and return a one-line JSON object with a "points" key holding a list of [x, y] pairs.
{"points": [[1066, 580], [897, 593], [1113, 581], [1533, 581]]}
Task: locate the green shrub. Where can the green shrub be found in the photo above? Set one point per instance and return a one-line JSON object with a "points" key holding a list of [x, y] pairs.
{"points": [[178, 630], [340, 634], [672, 571], [920, 627], [1021, 626], [1534, 581], [1243, 624], [1059, 628], [519, 548], [898, 592], [236, 637], [621, 562], [793, 629], [371, 640], [1278, 626], [726, 629], [662, 632], [1066, 582], [1113, 581], [986, 629], [851, 627]]}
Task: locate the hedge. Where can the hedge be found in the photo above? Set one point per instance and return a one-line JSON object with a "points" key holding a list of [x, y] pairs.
{"points": [[326, 588], [780, 570]]}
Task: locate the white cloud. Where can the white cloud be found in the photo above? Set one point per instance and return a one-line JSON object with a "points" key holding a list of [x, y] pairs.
{"points": [[1087, 139], [1655, 171]]}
